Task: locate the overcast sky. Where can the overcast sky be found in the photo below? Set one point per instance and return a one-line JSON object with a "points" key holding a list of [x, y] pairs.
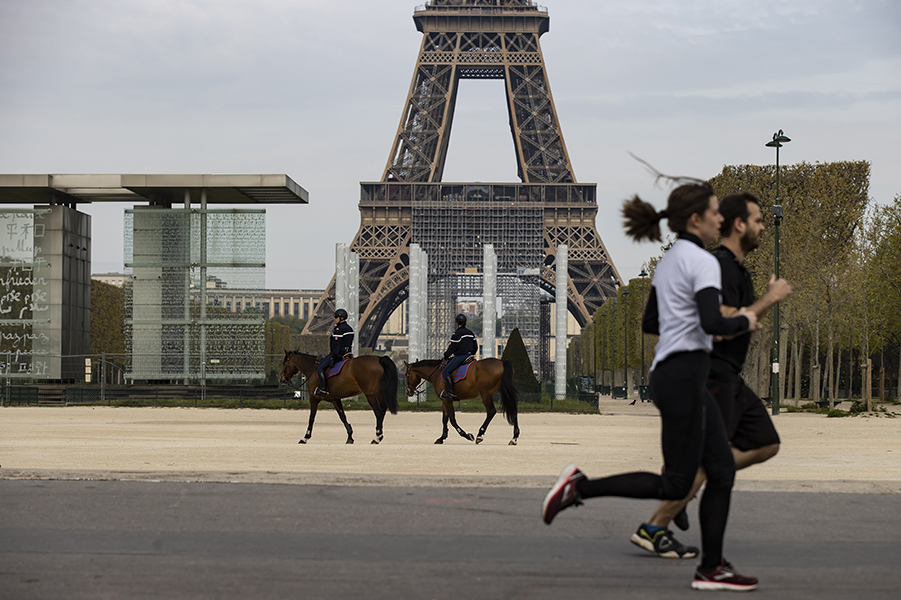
{"points": [[315, 89]]}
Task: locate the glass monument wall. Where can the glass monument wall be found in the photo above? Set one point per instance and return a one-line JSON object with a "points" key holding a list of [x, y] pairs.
{"points": [[172, 257], [45, 292]]}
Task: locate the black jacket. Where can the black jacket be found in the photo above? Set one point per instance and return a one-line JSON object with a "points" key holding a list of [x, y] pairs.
{"points": [[462, 342], [342, 340]]}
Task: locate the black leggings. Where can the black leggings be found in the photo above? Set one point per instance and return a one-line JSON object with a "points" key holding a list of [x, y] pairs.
{"points": [[693, 435]]}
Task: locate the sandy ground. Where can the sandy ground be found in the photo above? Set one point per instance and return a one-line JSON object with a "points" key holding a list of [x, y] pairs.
{"points": [[818, 454]]}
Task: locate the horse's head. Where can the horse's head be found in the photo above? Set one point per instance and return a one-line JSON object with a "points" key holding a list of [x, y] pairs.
{"points": [[413, 379], [289, 369]]}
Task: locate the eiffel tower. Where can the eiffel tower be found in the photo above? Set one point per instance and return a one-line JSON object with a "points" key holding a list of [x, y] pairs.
{"points": [[476, 39]]}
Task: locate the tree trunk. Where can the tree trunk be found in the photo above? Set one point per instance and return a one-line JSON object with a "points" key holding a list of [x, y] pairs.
{"points": [[816, 376], [838, 369], [783, 354], [850, 367], [898, 381], [799, 362], [761, 365], [790, 372], [830, 365]]}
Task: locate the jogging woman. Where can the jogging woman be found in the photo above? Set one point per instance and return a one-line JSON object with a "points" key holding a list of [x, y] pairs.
{"points": [[684, 309]]}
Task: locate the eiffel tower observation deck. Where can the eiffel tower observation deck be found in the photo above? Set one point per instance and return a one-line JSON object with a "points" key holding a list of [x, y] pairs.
{"points": [[451, 221]]}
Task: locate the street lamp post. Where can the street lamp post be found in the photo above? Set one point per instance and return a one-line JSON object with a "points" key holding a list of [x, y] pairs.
{"points": [[776, 390], [626, 343], [641, 387]]}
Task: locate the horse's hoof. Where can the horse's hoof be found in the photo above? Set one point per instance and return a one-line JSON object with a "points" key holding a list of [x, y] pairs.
{"points": [[512, 442], [374, 442], [302, 441], [479, 440], [439, 441], [470, 437], [349, 441]]}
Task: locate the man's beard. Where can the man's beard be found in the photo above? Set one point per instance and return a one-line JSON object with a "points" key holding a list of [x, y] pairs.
{"points": [[749, 243]]}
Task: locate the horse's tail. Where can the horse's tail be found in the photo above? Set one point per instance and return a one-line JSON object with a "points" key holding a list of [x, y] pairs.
{"points": [[509, 395], [388, 384]]}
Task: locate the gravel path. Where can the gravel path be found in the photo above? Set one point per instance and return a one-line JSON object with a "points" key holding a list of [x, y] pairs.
{"points": [[818, 454]]}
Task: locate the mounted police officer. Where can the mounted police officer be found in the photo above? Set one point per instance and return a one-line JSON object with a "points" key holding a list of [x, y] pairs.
{"points": [[462, 346], [341, 344]]}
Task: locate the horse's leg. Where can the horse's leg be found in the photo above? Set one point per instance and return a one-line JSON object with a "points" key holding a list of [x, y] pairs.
{"points": [[488, 401], [449, 408], [443, 421], [515, 432], [379, 417], [314, 405], [350, 431]]}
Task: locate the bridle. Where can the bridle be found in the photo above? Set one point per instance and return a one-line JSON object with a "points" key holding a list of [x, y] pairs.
{"points": [[424, 380], [288, 381]]}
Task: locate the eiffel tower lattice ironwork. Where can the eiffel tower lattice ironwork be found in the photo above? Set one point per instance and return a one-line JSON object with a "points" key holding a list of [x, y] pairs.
{"points": [[527, 220]]}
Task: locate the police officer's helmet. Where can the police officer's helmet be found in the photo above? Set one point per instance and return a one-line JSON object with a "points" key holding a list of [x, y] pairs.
{"points": [[341, 313], [461, 319]]}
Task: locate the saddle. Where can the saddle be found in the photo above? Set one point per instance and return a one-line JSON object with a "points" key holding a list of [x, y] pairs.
{"points": [[462, 370], [335, 368]]}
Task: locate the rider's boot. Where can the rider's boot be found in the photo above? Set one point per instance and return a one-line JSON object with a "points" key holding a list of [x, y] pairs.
{"points": [[448, 392], [321, 389]]}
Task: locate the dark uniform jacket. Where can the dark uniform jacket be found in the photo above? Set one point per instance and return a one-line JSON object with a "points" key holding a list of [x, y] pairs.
{"points": [[462, 342], [342, 340]]}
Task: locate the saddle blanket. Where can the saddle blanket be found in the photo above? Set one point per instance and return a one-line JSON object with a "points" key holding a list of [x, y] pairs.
{"points": [[336, 368], [460, 373]]}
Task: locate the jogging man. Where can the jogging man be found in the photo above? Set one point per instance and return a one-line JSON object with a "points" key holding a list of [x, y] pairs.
{"points": [[749, 427], [684, 309]]}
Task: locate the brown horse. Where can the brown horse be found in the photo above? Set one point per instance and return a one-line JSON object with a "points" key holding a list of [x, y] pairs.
{"points": [[485, 378], [373, 376]]}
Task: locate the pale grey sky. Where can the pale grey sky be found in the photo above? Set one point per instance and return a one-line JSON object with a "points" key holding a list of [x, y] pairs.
{"points": [[315, 89]]}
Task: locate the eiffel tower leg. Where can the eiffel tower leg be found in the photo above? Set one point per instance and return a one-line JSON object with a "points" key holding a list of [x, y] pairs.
{"points": [[383, 248], [592, 277]]}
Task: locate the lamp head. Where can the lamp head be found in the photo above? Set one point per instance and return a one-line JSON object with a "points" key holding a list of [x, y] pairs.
{"points": [[779, 138]]}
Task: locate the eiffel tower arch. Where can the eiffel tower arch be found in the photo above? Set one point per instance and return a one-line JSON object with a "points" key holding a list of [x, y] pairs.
{"points": [[526, 220]]}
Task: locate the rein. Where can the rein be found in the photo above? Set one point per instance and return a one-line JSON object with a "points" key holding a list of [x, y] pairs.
{"points": [[290, 382], [425, 380]]}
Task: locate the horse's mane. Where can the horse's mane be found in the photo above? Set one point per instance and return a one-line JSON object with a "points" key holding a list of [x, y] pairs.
{"points": [[426, 363]]}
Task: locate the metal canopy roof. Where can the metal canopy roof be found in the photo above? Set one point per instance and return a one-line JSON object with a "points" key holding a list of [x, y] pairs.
{"points": [[156, 189]]}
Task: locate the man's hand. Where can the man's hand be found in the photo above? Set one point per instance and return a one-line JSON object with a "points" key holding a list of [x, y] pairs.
{"points": [[778, 289]]}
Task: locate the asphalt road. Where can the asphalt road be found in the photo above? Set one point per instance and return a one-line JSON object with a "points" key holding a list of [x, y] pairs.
{"points": [[136, 539]]}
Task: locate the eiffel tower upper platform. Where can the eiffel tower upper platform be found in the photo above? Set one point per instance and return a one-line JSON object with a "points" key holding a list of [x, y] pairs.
{"points": [[526, 220]]}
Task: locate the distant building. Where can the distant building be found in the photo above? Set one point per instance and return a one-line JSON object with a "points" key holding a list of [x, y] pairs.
{"points": [[271, 303], [116, 279]]}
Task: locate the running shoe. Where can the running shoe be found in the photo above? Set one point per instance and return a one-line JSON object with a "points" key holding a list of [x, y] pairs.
{"points": [[662, 543], [723, 577], [681, 520], [563, 494]]}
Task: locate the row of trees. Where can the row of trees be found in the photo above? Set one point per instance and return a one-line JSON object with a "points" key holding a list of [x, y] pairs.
{"points": [[840, 251]]}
